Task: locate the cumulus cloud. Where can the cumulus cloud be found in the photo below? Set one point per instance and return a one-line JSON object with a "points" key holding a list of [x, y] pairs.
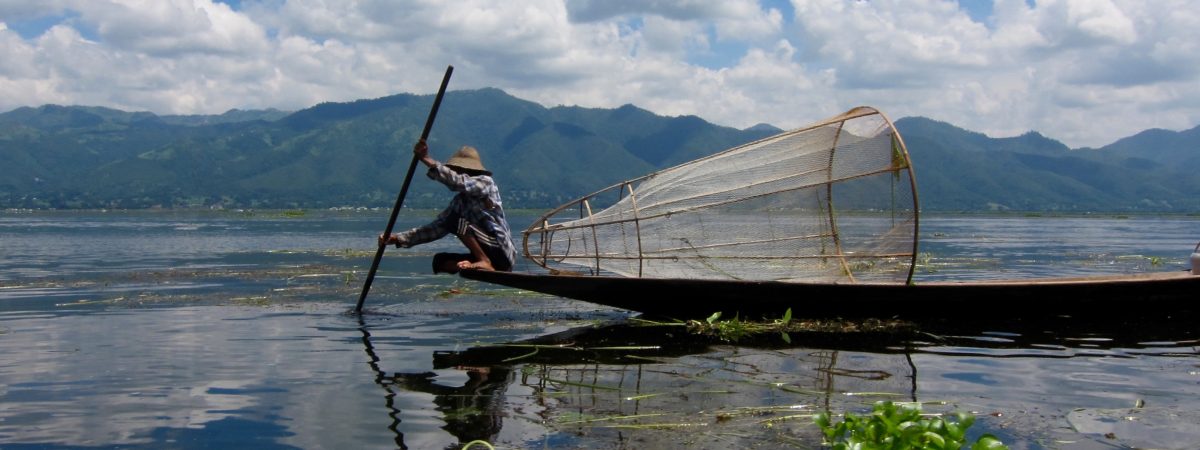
{"points": [[1055, 67], [891, 43], [1083, 23], [168, 28], [19, 56], [1083, 71], [682, 10]]}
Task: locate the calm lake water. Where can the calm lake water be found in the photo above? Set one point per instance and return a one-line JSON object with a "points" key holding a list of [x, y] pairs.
{"points": [[232, 330]]}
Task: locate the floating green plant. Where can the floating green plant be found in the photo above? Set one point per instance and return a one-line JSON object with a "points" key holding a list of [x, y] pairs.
{"points": [[612, 418], [350, 253], [728, 330], [894, 427], [734, 329]]}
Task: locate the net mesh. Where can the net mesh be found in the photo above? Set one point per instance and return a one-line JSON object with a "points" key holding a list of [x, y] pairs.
{"points": [[831, 202]]}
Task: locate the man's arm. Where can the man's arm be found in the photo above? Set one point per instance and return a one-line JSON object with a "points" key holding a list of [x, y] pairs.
{"points": [[415, 236], [429, 232], [457, 182], [421, 152]]}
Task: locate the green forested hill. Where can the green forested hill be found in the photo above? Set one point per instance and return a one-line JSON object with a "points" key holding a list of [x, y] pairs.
{"points": [[963, 170], [356, 153]]}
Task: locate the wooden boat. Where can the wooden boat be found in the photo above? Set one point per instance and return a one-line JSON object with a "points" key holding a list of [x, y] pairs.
{"points": [[822, 219], [1162, 294]]}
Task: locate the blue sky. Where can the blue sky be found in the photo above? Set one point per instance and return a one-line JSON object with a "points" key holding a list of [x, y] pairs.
{"points": [[1086, 72]]}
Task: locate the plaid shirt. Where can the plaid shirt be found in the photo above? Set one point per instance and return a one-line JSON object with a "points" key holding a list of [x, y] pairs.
{"points": [[477, 204]]}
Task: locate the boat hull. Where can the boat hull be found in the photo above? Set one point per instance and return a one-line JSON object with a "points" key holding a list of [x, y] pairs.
{"points": [[1159, 294]]}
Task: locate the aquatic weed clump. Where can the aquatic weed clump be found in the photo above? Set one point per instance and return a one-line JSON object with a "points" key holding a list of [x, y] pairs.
{"points": [[894, 427], [735, 329]]}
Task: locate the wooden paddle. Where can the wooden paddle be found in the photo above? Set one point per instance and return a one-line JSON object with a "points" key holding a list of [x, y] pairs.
{"points": [[412, 167]]}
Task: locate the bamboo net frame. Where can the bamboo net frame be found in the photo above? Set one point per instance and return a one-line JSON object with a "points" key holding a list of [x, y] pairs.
{"points": [[835, 201]]}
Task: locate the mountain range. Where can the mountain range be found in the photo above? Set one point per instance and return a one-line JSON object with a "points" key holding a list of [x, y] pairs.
{"points": [[356, 154]]}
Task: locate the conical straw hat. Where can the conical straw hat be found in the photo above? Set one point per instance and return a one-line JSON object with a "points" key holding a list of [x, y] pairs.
{"points": [[467, 158]]}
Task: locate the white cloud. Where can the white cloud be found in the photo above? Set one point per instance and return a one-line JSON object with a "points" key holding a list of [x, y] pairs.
{"points": [[173, 27], [19, 56], [1086, 72], [1085, 22], [1057, 67], [746, 20], [673, 38], [680, 10], [893, 43]]}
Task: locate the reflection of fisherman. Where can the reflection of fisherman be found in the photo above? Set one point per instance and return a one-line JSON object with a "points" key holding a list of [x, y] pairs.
{"points": [[475, 215], [472, 411]]}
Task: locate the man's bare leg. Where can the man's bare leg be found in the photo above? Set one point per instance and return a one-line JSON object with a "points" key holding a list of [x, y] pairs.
{"points": [[479, 259]]}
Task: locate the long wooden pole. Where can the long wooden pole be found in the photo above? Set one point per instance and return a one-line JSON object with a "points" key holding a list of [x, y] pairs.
{"points": [[412, 168]]}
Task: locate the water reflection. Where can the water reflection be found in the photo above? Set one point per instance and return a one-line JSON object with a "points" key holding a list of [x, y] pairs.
{"points": [[638, 387], [629, 342], [471, 412], [239, 339], [625, 382], [313, 377], [382, 379]]}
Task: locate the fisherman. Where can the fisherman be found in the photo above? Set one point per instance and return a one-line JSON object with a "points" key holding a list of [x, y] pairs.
{"points": [[475, 215]]}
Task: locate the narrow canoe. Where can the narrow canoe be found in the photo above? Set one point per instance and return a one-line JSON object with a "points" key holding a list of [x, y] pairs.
{"points": [[1158, 293]]}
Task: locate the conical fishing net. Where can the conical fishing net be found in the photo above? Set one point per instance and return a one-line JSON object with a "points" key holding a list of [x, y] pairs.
{"points": [[831, 202]]}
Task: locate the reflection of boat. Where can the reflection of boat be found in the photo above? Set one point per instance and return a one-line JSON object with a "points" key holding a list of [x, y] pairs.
{"points": [[639, 385], [660, 377], [822, 220], [632, 342]]}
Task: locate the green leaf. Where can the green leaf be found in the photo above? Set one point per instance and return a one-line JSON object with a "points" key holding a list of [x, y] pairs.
{"points": [[713, 318], [966, 420], [935, 439], [822, 420], [899, 427], [988, 442]]}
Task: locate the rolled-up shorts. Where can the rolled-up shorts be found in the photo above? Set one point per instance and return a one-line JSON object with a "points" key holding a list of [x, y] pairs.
{"points": [[487, 243]]}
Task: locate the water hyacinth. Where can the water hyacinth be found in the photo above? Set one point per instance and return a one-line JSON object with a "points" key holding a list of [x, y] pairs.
{"points": [[894, 427]]}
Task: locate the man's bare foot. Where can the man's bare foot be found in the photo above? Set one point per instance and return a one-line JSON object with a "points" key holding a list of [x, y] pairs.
{"points": [[477, 265]]}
